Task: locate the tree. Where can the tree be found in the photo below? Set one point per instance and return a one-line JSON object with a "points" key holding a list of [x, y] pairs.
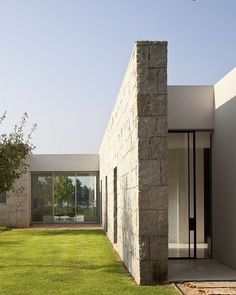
{"points": [[64, 191], [14, 149], [83, 194]]}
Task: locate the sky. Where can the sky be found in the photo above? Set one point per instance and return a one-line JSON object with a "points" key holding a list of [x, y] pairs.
{"points": [[63, 61]]}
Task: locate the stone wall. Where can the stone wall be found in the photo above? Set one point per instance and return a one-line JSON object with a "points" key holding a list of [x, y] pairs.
{"points": [[135, 143], [15, 212]]}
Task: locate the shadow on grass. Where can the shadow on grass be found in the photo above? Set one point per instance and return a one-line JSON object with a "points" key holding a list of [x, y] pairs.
{"points": [[9, 243], [59, 232], [80, 265]]}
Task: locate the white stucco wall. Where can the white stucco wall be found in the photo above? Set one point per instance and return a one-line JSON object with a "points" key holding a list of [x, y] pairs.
{"points": [[224, 171], [190, 107], [64, 162], [225, 89]]}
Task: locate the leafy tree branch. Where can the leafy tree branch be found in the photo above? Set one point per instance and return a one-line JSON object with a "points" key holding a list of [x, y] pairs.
{"points": [[14, 149]]}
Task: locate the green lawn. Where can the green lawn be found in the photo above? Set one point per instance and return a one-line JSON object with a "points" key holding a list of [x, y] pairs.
{"points": [[64, 262]]}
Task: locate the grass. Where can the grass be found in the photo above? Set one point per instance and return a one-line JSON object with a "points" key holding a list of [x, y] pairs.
{"points": [[4, 228], [64, 262]]}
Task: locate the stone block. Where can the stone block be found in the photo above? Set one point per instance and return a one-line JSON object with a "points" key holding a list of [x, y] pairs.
{"points": [[148, 273], [11, 207], [143, 56], [162, 126], [152, 81], [11, 200], [158, 248], [161, 270], [148, 222], [24, 222], [152, 105], [164, 171], [158, 55], [3, 208], [144, 248], [18, 215], [152, 148], [149, 172], [147, 126], [162, 223], [3, 216], [144, 197], [147, 81], [153, 272], [153, 197], [158, 197], [161, 81], [12, 218]]}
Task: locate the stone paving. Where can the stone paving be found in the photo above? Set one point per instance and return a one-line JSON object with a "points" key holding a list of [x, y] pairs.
{"points": [[207, 288]]}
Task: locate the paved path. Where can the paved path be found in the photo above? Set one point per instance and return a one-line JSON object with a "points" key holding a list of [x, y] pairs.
{"points": [[208, 288], [193, 270]]}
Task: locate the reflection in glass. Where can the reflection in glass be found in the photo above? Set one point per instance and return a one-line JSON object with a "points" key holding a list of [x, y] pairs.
{"points": [[64, 198], [42, 200], [3, 197], [178, 194], [189, 176], [86, 198], [203, 194]]}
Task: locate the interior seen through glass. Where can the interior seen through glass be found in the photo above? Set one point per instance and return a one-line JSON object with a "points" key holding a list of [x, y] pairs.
{"points": [[189, 194], [64, 197]]}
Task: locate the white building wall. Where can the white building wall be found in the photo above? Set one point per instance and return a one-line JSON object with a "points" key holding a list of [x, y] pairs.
{"points": [[66, 162], [190, 107], [224, 171]]}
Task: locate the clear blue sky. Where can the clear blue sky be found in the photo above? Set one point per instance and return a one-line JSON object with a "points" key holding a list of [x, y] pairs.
{"points": [[63, 61]]}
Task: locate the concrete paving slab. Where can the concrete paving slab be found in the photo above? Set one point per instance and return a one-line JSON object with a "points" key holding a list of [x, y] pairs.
{"points": [[199, 270]]}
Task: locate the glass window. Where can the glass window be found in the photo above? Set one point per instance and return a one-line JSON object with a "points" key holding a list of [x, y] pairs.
{"points": [[189, 177], [3, 198], [203, 194], [178, 175], [64, 197], [86, 197], [42, 200]]}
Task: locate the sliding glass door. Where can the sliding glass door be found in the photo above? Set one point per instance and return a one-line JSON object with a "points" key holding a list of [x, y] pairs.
{"points": [[64, 197], [42, 197], [86, 197], [179, 175], [189, 194]]}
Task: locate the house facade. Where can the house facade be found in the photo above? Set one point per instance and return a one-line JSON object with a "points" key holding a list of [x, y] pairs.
{"points": [[162, 185]]}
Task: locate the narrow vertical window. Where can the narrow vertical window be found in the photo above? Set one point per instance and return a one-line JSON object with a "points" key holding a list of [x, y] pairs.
{"points": [[101, 202], [115, 205], [3, 198], [106, 204]]}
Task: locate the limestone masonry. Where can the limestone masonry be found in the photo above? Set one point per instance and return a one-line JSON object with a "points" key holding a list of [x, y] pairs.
{"points": [[135, 143], [16, 211]]}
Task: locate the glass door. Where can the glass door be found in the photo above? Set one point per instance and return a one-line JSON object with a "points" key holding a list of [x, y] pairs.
{"points": [[86, 197], [189, 194], [64, 197], [181, 200]]}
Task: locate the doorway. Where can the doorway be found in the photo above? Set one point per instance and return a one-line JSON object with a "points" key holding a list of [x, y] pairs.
{"points": [[189, 194]]}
